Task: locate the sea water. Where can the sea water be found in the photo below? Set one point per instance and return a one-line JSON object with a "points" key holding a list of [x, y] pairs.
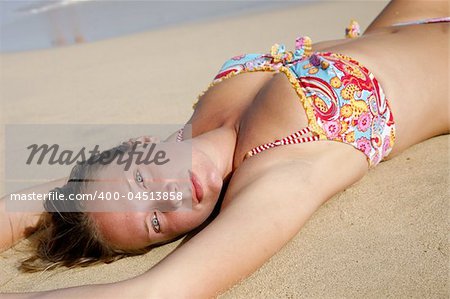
{"points": [[30, 25]]}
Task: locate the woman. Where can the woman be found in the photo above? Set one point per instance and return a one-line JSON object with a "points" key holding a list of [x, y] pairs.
{"points": [[279, 163]]}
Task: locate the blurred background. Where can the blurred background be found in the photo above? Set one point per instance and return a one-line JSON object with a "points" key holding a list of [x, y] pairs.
{"points": [[38, 24]]}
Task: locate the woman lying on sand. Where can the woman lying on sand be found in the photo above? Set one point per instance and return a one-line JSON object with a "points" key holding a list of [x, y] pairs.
{"points": [[277, 140]]}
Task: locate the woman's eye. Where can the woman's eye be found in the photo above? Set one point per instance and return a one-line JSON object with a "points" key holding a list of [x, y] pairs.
{"points": [[155, 223], [139, 177]]}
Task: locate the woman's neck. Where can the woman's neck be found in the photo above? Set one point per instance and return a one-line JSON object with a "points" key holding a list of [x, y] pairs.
{"points": [[219, 144]]}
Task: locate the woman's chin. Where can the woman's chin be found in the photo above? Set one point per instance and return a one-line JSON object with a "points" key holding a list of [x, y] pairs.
{"points": [[215, 182], [207, 173]]}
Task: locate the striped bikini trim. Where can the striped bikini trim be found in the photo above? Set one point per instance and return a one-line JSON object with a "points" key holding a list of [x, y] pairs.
{"points": [[294, 138]]}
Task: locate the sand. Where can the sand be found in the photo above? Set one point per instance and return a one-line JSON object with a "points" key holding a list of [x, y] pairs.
{"points": [[379, 238]]}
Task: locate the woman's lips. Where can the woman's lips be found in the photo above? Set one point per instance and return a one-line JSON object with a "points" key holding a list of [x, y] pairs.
{"points": [[197, 187]]}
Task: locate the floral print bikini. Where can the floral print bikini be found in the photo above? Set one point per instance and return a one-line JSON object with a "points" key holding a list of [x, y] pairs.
{"points": [[342, 99]]}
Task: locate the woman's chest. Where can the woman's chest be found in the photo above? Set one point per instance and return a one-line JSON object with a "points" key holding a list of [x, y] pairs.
{"points": [[274, 113], [260, 106]]}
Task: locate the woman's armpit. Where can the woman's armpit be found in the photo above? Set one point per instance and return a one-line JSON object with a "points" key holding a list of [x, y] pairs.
{"points": [[322, 167]]}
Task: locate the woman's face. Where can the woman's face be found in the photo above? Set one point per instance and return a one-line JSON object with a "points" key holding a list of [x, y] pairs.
{"points": [[138, 224]]}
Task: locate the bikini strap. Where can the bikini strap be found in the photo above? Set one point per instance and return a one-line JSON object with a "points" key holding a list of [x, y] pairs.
{"points": [[424, 21], [180, 135], [294, 138]]}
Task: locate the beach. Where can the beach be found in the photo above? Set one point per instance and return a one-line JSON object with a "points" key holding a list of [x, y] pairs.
{"points": [[366, 242]]}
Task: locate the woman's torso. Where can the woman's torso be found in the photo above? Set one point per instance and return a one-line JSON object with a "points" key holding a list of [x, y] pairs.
{"points": [[410, 62]]}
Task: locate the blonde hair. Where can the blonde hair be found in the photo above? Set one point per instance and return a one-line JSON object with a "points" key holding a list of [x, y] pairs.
{"points": [[72, 239]]}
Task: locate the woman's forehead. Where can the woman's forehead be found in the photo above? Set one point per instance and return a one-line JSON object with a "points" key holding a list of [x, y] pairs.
{"points": [[125, 230]]}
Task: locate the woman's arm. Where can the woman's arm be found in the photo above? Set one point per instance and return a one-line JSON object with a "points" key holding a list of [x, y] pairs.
{"points": [[269, 199], [14, 225]]}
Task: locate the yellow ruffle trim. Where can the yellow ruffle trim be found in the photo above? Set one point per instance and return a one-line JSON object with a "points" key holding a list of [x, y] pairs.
{"points": [[306, 102]]}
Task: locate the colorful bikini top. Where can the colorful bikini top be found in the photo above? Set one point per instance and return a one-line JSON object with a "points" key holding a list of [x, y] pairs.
{"points": [[342, 99]]}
